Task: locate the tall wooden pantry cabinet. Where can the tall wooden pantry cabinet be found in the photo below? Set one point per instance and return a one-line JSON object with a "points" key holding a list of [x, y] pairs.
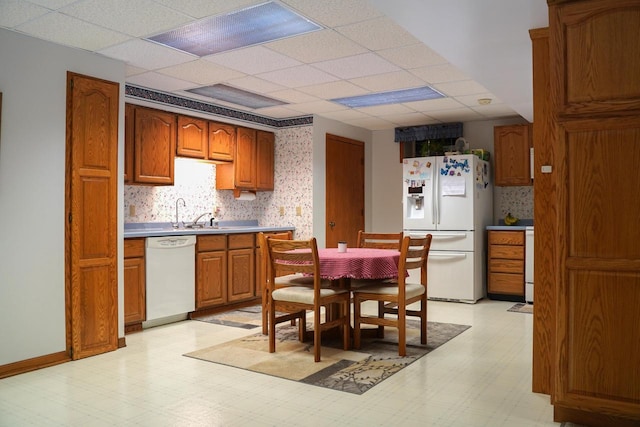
{"points": [[594, 64]]}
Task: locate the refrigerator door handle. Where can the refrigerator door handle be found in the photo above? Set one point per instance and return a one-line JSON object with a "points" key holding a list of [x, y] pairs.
{"points": [[448, 236], [447, 255], [434, 198]]}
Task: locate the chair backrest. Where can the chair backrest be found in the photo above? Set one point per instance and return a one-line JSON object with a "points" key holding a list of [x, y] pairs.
{"points": [[293, 256], [413, 254], [379, 240], [264, 264]]}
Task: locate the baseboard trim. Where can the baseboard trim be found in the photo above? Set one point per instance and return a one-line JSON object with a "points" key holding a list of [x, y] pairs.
{"points": [[33, 364]]}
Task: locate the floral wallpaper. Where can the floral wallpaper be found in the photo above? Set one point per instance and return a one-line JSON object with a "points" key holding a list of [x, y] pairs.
{"points": [[517, 200], [195, 183]]}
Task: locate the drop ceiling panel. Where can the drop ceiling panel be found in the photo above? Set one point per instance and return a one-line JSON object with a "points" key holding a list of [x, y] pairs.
{"points": [[293, 96], [69, 31], [456, 114], [440, 74], [472, 100], [464, 87], [158, 81], [332, 90], [303, 75], [414, 56], [278, 112], [137, 18], [335, 13], [253, 60], [317, 46], [432, 105], [317, 107], [388, 81], [148, 55], [410, 119], [357, 66], [201, 72], [344, 115], [255, 84], [372, 123], [15, 13], [204, 8], [378, 34], [385, 110]]}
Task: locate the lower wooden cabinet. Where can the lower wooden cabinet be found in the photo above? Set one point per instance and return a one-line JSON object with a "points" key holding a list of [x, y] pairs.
{"points": [[505, 279], [134, 284], [225, 269]]}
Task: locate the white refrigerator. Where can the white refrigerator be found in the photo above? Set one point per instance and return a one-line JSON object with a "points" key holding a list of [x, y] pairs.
{"points": [[451, 198]]}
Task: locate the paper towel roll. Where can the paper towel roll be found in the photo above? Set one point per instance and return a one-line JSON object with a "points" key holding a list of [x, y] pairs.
{"points": [[246, 195]]}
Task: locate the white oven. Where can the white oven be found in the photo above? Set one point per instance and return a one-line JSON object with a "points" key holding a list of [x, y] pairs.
{"points": [[528, 265]]}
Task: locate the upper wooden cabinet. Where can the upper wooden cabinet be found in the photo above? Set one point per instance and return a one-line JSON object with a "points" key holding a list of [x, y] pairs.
{"points": [[222, 141], [153, 136], [512, 158], [204, 139], [252, 168], [193, 139]]}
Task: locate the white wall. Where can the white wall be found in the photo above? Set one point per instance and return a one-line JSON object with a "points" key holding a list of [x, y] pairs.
{"points": [[33, 76]]}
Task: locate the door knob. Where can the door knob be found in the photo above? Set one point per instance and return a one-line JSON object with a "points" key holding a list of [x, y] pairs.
{"points": [[332, 224]]}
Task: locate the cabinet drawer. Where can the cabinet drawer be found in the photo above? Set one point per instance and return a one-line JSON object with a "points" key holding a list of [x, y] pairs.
{"points": [[505, 283], [506, 266], [133, 248], [211, 243], [506, 237], [238, 241], [506, 252]]}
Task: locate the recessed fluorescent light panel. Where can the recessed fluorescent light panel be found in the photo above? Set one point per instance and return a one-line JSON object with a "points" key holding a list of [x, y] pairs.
{"points": [[392, 97], [236, 96], [254, 25]]}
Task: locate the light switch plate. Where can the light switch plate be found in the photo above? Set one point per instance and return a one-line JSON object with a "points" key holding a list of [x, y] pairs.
{"points": [[281, 210], [298, 210]]}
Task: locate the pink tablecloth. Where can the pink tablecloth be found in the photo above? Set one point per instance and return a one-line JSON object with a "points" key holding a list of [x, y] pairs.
{"points": [[358, 263]]}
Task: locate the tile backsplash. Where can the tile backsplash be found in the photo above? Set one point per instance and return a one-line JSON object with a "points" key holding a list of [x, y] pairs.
{"points": [[194, 181]]}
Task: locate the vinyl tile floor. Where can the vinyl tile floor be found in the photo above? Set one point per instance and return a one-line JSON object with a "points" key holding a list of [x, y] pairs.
{"points": [[480, 378]]}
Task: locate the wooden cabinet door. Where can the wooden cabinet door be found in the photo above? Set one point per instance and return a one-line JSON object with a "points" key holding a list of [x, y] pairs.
{"points": [[241, 279], [211, 279], [192, 137], [154, 147], [134, 291], [506, 263], [512, 155], [129, 123], [222, 142], [245, 161], [265, 152]]}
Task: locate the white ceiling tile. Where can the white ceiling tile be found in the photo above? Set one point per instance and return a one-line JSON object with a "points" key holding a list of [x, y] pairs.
{"points": [[317, 107], [141, 18], [202, 72], [130, 70], [377, 34], [495, 110], [347, 114], [332, 90], [69, 31], [472, 100], [255, 84], [389, 81], [414, 56], [456, 115], [203, 8], [145, 54], [15, 13], [280, 112], [431, 105], [410, 119], [440, 73], [292, 96], [303, 75], [159, 81], [317, 46], [372, 123], [253, 60], [334, 13], [357, 66], [463, 87]]}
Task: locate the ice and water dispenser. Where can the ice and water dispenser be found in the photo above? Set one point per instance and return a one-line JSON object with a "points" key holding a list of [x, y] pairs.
{"points": [[415, 200]]}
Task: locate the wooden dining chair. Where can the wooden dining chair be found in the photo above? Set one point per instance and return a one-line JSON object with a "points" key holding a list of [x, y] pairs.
{"points": [[264, 275], [379, 240], [394, 296], [300, 258]]}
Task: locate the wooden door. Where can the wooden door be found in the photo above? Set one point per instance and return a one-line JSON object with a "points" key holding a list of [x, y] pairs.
{"points": [[241, 274], [344, 190], [129, 135], [245, 162], [211, 279], [91, 201], [193, 137], [265, 152]]}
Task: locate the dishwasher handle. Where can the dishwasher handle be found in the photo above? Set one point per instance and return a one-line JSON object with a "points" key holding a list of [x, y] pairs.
{"points": [[170, 242]]}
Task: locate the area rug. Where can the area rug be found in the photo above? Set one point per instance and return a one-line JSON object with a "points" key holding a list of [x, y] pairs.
{"points": [[348, 371], [522, 308]]}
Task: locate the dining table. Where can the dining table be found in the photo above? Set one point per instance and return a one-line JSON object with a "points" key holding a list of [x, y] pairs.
{"points": [[358, 263]]}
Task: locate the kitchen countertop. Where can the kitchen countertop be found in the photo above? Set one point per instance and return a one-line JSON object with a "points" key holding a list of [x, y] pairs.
{"points": [[161, 229], [520, 226]]}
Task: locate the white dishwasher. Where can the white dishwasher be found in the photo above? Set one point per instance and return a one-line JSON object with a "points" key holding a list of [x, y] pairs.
{"points": [[171, 275]]}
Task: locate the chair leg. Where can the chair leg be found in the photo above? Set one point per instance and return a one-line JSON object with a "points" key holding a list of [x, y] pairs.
{"points": [[346, 338], [380, 333], [402, 329], [272, 327], [265, 312], [423, 319], [317, 334], [356, 322], [302, 326]]}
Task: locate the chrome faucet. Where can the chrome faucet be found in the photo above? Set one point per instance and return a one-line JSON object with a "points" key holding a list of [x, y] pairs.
{"points": [[184, 204], [195, 224]]}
